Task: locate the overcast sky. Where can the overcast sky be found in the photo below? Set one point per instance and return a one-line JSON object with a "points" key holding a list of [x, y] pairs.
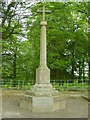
{"points": [[8, 1]]}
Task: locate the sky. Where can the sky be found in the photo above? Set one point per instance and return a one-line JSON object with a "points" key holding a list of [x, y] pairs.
{"points": [[8, 1]]}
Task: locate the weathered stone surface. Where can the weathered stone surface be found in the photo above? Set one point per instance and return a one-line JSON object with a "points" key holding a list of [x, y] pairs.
{"points": [[42, 104], [43, 97], [43, 90], [43, 75]]}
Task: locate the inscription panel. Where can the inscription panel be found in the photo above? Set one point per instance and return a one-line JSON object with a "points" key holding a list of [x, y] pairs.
{"points": [[42, 101]]}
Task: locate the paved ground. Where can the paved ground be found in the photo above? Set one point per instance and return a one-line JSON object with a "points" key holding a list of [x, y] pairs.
{"points": [[76, 107]]}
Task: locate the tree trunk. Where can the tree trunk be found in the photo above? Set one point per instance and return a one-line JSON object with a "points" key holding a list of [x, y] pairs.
{"points": [[72, 73], [83, 70], [89, 55], [14, 66], [89, 42], [73, 62], [89, 64], [80, 71]]}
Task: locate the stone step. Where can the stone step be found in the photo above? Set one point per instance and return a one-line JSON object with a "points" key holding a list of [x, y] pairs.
{"points": [[86, 98]]}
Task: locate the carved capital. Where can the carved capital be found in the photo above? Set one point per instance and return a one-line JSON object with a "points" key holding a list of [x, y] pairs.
{"points": [[43, 23]]}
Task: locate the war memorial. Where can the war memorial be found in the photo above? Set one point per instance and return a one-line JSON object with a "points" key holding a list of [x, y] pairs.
{"points": [[43, 97]]}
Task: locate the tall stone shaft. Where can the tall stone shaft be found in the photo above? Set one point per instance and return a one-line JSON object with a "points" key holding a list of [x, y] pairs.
{"points": [[43, 51], [43, 72]]}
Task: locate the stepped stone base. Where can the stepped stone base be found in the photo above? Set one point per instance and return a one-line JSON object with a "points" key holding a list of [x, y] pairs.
{"points": [[42, 98]]}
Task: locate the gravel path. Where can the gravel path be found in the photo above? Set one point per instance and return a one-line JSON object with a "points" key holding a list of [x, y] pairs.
{"points": [[76, 107]]}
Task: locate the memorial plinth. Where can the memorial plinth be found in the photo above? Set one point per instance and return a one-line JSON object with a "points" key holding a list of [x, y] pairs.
{"points": [[43, 97], [42, 103]]}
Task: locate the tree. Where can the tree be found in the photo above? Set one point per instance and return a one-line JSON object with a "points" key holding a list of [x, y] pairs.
{"points": [[15, 55], [88, 41], [65, 30], [67, 43]]}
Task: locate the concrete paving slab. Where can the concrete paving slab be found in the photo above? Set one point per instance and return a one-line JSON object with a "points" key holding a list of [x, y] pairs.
{"points": [[76, 107]]}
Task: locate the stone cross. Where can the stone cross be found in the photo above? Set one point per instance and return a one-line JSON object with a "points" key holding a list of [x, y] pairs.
{"points": [[43, 11], [43, 97], [43, 72], [43, 37]]}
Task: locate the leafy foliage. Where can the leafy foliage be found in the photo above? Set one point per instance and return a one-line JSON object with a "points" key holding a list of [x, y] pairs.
{"points": [[67, 40]]}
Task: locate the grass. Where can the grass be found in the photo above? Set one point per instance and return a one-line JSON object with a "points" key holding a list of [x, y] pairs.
{"points": [[71, 86], [58, 86]]}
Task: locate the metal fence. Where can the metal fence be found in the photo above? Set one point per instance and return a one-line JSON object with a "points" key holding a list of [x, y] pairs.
{"points": [[60, 85]]}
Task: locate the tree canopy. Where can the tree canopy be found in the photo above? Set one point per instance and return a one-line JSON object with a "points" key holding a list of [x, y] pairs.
{"points": [[68, 44]]}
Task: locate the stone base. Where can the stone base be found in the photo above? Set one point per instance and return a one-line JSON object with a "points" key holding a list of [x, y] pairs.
{"points": [[42, 103], [42, 98], [43, 90], [43, 75]]}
